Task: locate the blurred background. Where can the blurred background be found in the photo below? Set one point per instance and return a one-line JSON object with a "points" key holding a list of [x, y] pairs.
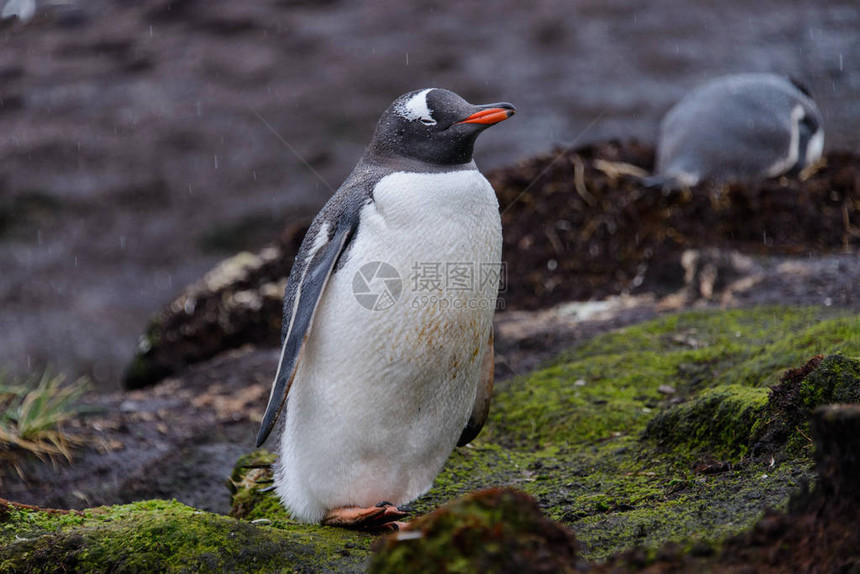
{"points": [[142, 142]]}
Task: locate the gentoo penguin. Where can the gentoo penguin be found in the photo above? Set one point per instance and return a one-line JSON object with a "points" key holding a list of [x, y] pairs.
{"points": [[743, 127], [376, 396]]}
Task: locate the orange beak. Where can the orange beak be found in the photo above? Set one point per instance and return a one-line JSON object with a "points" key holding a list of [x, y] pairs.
{"points": [[489, 116]]}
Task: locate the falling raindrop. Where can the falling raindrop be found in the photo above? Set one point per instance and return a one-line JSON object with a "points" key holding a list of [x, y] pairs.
{"points": [[122, 241], [840, 62], [407, 58], [216, 161]]}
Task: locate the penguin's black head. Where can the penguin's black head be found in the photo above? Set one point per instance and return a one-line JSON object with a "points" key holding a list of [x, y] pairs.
{"points": [[435, 126]]}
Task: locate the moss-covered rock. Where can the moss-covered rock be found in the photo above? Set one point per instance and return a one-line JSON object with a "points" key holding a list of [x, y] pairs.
{"points": [[496, 530], [236, 303], [250, 484], [822, 380], [729, 421], [718, 422], [163, 536]]}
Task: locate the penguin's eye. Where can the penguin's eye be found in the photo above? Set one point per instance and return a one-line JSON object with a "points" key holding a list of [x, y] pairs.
{"points": [[428, 122]]}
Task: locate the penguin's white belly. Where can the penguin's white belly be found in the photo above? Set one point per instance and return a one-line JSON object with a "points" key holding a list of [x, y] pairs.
{"points": [[381, 396]]}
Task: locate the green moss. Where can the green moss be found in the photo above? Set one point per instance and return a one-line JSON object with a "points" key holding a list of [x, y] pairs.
{"points": [[250, 483], [611, 384], [823, 380], [763, 365], [718, 422], [835, 380], [488, 531], [573, 434], [162, 536]]}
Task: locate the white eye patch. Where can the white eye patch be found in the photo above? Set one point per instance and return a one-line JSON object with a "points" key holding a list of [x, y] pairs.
{"points": [[416, 108]]}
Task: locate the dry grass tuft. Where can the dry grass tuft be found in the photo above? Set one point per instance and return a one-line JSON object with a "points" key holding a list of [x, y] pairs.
{"points": [[32, 414]]}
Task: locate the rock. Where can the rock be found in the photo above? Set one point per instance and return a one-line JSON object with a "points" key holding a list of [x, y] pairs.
{"points": [[162, 536], [239, 302], [718, 422], [730, 421], [248, 483], [822, 380], [709, 271], [496, 530]]}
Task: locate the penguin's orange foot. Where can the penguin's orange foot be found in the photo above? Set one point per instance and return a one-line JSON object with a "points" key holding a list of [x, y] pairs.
{"points": [[383, 516]]}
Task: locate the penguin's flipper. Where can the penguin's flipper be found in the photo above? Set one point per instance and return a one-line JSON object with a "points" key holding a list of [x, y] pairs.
{"points": [[481, 406], [312, 282]]}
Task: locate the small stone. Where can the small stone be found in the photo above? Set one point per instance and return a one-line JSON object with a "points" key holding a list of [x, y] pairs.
{"points": [[666, 389]]}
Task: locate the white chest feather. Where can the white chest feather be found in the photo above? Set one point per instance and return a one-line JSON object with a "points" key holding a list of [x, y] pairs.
{"points": [[381, 396], [438, 216]]}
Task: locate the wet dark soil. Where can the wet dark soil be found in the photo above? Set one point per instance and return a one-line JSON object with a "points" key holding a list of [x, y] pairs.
{"points": [[576, 229], [177, 440]]}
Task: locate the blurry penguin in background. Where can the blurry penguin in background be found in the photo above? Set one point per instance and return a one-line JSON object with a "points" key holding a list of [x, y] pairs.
{"points": [[24, 10], [743, 127]]}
